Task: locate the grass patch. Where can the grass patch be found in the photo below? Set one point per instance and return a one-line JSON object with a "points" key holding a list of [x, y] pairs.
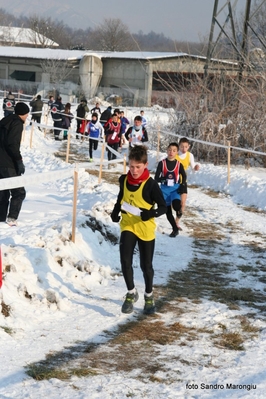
{"points": [[231, 340], [7, 330], [5, 309]]}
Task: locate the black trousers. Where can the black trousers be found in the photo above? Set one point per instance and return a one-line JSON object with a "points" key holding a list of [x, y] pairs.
{"points": [[128, 242], [56, 125], [93, 145], [110, 155], [176, 204], [10, 200]]}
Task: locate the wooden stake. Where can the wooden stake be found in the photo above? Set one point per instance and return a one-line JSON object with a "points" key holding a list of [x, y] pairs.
{"points": [[158, 144], [101, 162], [23, 132], [68, 144], [228, 162], [46, 121], [31, 135], [125, 164], [75, 197]]}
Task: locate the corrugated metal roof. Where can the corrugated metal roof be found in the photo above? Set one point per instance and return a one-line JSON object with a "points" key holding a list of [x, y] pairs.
{"points": [[48, 53], [59, 54]]}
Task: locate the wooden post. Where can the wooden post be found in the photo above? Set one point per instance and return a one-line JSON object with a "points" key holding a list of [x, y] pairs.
{"points": [[1, 267], [158, 144], [31, 134], [101, 162], [228, 162], [125, 164], [75, 196], [46, 120], [68, 144], [23, 132]]}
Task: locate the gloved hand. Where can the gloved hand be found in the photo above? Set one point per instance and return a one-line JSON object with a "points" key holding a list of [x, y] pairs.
{"points": [[114, 216], [147, 214], [20, 167]]}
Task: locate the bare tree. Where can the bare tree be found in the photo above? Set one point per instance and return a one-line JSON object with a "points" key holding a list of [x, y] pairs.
{"points": [[111, 35], [45, 30], [58, 70]]}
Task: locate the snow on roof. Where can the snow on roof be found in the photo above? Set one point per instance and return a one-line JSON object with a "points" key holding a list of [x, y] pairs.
{"points": [[24, 35], [60, 54]]}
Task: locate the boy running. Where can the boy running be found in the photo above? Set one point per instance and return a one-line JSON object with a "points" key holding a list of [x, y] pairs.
{"points": [[136, 199], [167, 173], [187, 159]]}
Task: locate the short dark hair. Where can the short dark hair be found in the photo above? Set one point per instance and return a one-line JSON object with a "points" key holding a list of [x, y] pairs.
{"points": [[39, 97], [184, 140], [173, 144], [139, 154], [138, 118]]}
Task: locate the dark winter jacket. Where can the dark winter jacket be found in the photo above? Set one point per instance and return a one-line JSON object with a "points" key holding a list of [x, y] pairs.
{"points": [[56, 110], [106, 115], [9, 103], [66, 119], [82, 109], [36, 105], [11, 128]]}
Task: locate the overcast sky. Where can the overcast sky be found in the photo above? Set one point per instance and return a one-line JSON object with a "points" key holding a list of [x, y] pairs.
{"points": [[182, 20], [179, 19]]}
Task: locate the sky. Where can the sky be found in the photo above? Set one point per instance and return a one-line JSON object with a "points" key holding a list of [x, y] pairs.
{"points": [[63, 294], [180, 20]]}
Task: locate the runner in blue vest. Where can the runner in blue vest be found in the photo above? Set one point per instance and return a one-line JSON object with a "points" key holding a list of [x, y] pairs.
{"points": [[168, 174], [94, 129]]}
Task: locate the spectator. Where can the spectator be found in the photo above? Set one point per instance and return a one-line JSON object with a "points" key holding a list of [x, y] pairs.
{"points": [[66, 119], [106, 115], [11, 164], [82, 109], [36, 110], [9, 104], [56, 112], [50, 101], [96, 109]]}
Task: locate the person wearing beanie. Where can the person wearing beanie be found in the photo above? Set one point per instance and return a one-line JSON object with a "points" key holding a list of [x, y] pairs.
{"points": [[11, 164]]}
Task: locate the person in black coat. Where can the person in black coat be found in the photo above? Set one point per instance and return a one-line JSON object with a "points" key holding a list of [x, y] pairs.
{"points": [[11, 163], [56, 112], [82, 109], [36, 110], [106, 115]]}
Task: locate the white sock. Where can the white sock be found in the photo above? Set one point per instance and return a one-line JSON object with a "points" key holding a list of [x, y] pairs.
{"points": [[148, 295], [132, 291]]}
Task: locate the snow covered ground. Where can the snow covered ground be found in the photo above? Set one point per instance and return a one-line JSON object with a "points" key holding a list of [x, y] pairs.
{"points": [[58, 294]]}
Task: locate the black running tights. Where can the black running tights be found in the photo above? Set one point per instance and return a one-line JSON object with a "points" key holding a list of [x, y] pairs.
{"points": [[128, 241]]}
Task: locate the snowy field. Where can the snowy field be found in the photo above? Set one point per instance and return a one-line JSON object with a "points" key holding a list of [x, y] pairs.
{"points": [[59, 294]]}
